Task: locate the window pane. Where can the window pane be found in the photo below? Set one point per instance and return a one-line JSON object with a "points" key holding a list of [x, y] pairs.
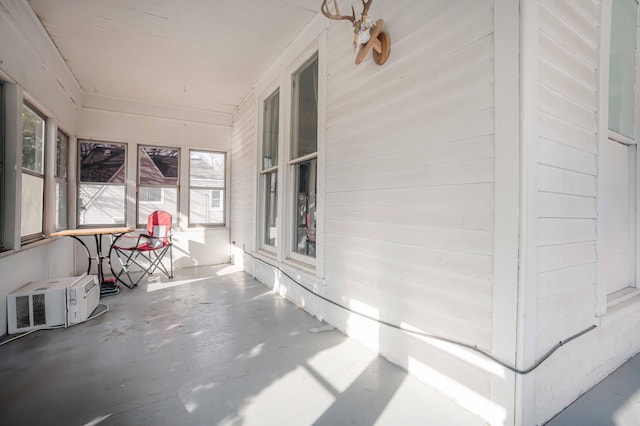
{"points": [[32, 141], [622, 66], [62, 149], [32, 205], [101, 204], [270, 209], [102, 163], [150, 195], [216, 199], [158, 166], [2, 201], [271, 131], [62, 146], [61, 205], [206, 169], [305, 235], [152, 199], [200, 210], [305, 110]]}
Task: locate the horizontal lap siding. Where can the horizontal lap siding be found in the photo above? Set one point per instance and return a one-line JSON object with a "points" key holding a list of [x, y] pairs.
{"points": [[567, 95], [567, 170], [243, 174], [409, 210]]}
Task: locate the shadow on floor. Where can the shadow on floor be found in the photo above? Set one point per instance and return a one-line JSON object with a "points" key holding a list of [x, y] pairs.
{"points": [[205, 348]]}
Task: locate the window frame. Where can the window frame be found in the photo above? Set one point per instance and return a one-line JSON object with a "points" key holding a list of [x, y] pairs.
{"points": [[142, 224], [37, 236], [282, 77], [58, 180], [3, 202], [294, 162], [222, 188], [605, 299], [265, 172], [80, 183]]}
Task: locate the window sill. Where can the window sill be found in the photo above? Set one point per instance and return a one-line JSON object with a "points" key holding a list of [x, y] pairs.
{"points": [[301, 266], [621, 296], [26, 247], [624, 303], [270, 254]]}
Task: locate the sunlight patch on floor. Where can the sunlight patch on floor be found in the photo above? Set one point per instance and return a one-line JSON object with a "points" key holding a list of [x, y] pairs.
{"points": [[354, 360], [155, 286], [629, 412], [296, 398], [477, 404], [97, 420], [252, 353], [231, 269]]}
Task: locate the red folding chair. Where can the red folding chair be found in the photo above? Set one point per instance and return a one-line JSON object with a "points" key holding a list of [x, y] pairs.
{"points": [[311, 233], [147, 252]]}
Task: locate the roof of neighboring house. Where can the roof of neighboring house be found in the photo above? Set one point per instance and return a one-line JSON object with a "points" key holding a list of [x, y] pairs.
{"points": [[103, 163]]}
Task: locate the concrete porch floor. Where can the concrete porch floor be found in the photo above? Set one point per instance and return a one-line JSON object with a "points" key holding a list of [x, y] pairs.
{"points": [[208, 347], [613, 401]]}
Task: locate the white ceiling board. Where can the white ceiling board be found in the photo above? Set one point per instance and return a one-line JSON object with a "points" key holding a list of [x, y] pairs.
{"points": [[201, 54]]}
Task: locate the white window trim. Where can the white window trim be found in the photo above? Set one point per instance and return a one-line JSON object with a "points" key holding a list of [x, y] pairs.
{"points": [[317, 45], [46, 175], [64, 181], [261, 195]]}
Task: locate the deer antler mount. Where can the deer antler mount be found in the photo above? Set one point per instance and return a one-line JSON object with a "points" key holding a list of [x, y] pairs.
{"points": [[366, 33]]}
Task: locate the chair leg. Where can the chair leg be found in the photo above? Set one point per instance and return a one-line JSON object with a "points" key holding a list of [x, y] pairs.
{"points": [[146, 261]]}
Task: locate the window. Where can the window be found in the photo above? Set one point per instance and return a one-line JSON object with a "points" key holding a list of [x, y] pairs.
{"points": [[207, 171], [151, 195], [158, 174], [304, 156], [617, 204], [622, 60], [216, 199], [102, 183], [2, 157], [62, 150], [32, 197], [269, 173]]}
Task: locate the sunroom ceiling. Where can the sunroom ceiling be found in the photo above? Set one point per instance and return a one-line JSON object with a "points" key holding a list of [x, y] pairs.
{"points": [[199, 54]]}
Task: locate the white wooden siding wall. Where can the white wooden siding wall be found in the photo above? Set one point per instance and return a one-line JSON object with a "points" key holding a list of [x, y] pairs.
{"points": [[410, 179], [568, 60], [567, 156], [243, 174]]}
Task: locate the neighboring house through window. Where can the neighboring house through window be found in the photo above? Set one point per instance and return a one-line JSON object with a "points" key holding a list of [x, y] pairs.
{"points": [[158, 177], [102, 183], [33, 161], [207, 171], [215, 198]]}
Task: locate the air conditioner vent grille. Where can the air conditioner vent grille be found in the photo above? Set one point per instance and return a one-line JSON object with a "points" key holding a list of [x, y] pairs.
{"points": [[39, 311], [22, 311]]}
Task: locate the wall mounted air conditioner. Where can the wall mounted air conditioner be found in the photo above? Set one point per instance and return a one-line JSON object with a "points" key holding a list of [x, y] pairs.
{"points": [[58, 302]]}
